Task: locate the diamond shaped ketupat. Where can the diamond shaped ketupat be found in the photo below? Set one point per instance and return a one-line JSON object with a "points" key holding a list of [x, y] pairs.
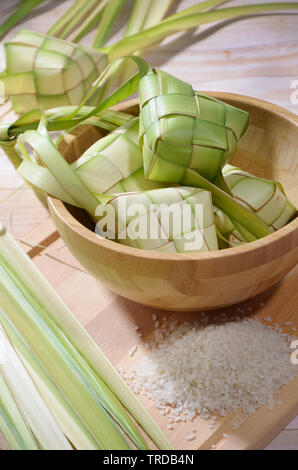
{"points": [[264, 197], [44, 72], [114, 164], [160, 224], [182, 129]]}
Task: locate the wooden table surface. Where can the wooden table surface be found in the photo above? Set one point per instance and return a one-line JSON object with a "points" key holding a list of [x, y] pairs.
{"points": [[255, 56]]}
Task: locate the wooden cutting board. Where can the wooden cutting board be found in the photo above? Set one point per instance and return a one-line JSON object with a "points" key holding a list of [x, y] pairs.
{"points": [[111, 321]]}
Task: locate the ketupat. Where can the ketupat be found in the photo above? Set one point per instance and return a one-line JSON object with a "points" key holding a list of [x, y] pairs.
{"points": [[186, 138], [264, 197], [58, 119], [33, 61], [180, 147], [114, 164], [171, 220], [230, 232], [181, 129], [23, 70]]}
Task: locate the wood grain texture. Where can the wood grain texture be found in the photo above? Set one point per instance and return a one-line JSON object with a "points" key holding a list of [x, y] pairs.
{"points": [[254, 56], [111, 320], [197, 281]]}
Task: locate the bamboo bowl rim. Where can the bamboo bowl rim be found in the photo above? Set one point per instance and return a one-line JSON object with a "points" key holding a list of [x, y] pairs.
{"points": [[282, 235]]}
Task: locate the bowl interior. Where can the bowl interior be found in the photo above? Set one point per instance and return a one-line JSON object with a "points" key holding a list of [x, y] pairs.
{"points": [[268, 149]]}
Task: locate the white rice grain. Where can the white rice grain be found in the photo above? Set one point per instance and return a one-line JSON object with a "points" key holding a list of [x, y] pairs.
{"points": [[190, 437], [217, 368], [132, 351]]}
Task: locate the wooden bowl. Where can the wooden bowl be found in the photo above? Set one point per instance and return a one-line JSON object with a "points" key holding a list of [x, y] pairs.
{"points": [[196, 281]]}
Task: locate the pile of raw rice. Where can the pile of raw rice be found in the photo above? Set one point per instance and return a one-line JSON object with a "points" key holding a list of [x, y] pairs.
{"points": [[215, 368]]}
